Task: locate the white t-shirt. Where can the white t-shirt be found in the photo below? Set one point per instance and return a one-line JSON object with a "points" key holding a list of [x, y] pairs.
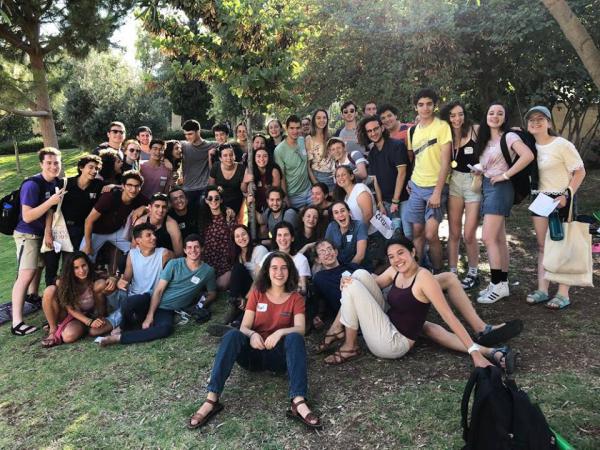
{"points": [[352, 200], [258, 254], [300, 262], [556, 163]]}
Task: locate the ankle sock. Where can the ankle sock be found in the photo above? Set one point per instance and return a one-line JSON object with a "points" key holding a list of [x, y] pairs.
{"points": [[504, 276], [496, 275], [472, 271]]}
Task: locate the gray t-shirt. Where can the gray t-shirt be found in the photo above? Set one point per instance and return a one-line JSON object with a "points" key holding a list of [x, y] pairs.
{"points": [[195, 165], [290, 215], [351, 140]]}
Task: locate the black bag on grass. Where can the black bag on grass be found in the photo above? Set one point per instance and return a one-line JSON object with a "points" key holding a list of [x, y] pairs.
{"points": [[527, 179], [502, 416]]}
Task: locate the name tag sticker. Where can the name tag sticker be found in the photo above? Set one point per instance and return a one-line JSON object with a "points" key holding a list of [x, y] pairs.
{"points": [[261, 307], [468, 150], [182, 225], [349, 238], [163, 181], [92, 195], [195, 279]]}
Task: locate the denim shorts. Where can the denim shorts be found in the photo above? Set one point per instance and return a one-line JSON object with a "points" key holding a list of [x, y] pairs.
{"points": [[497, 198], [418, 211], [460, 186]]}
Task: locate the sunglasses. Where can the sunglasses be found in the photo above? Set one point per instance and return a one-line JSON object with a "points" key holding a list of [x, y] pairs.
{"points": [[117, 131], [133, 150], [348, 111], [373, 130], [216, 198]]}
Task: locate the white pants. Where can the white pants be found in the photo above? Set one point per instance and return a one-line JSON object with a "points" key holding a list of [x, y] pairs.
{"points": [[363, 306]]}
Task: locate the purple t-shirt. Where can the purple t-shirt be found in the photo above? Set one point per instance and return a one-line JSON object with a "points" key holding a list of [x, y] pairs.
{"points": [[31, 196]]}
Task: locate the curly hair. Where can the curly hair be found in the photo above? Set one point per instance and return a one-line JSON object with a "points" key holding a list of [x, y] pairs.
{"points": [[263, 280], [71, 287]]}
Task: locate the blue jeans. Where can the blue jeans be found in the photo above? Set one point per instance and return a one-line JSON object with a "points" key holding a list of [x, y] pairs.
{"points": [[134, 312], [300, 200], [399, 219], [289, 354]]}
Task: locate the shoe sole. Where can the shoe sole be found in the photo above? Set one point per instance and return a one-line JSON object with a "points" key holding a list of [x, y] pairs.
{"points": [[484, 301]]}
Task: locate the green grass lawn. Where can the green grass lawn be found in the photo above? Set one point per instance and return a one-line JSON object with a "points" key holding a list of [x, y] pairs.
{"points": [[140, 396]]}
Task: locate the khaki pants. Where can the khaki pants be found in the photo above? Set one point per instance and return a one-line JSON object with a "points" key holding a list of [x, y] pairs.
{"points": [[363, 306]]}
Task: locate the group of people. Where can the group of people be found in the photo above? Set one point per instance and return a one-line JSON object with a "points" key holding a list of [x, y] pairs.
{"points": [[175, 214]]}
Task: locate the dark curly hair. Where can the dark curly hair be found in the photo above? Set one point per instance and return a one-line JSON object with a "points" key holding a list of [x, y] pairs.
{"points": [[70, 287], [263, 280]]}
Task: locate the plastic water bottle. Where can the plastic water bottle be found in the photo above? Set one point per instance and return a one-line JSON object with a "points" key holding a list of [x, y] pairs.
{"points": [[555, 227]]}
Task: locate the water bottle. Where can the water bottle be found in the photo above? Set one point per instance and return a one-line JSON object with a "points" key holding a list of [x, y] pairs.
{"points": [[555, 227]]}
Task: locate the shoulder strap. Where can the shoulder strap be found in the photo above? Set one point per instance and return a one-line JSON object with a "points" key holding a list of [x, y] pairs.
{"points": [[504, 148], [415, 278], [394, 280]]}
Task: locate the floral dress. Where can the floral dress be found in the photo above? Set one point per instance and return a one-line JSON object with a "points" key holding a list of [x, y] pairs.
{"points": [[218, 244]]}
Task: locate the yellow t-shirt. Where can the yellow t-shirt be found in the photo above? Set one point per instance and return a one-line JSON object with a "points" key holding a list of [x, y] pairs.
{"points": [[427, 145]]}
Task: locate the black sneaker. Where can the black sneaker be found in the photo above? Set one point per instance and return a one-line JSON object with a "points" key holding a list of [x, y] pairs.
{"points": [[470, 282]]}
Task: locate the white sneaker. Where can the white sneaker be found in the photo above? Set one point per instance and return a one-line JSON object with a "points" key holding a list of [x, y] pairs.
{"points": [[485, 291], [495, 293]]}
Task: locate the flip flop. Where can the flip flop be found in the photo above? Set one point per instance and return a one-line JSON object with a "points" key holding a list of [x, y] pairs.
{"points": [[203, 420], [310, 420], [491, 336], [339, 358]]}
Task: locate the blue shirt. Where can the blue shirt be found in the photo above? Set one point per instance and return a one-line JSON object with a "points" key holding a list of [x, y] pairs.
{"points": [[32, 196], [346, 243], [326, 284]]}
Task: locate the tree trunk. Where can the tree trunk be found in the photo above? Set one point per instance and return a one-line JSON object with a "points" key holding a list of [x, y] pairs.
{"points": [[42, 100], [251, 185], [577, 35]]}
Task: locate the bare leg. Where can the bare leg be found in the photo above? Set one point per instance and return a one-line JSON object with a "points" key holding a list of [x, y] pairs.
{"points": [[470, 232], [435, 245], [419, 238], [51, 308], [455, 212], [73, 331], [20, 287], [540, 225], [34, 285], [493, 226]]}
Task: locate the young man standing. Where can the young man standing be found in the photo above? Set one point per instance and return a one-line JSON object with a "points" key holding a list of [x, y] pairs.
{"points": [[144, 137], [275, 213], [388, 163], [183, 213], [291, 157], [106, 221], [397, 129], [305, 126], [116, 136], [82, 193], [157, 176], [196, 161], [428, 189], [370, 109], [348, 133], [37, 197], [181, 283]]}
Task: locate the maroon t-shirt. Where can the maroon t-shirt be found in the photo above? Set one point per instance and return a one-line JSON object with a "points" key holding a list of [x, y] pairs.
{"points": [[113, 212]]}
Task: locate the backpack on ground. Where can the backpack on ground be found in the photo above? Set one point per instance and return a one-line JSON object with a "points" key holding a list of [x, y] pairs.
{"points": [[11, 207], [527, 179], [502, 416]]}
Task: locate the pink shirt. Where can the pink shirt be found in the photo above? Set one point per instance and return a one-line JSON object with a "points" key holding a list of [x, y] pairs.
{"points": [[492, 160]]}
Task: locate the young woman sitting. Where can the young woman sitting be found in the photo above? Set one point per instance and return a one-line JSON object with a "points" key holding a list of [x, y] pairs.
{"points": [[270, 338], [393, 333], [75, 304]]}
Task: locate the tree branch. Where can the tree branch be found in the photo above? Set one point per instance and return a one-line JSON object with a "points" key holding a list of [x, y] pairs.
{"points": [[13, 39], [21, 112]]}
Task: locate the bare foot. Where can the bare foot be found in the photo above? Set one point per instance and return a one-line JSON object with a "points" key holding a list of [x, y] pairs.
{"points": [[115, 331]]}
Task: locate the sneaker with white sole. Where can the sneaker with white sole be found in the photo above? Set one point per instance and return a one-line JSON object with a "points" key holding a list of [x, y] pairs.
{"points": [[485, 291], [496, 292]]}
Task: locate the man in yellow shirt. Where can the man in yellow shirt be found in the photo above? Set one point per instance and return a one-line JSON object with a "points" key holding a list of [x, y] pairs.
{"points": [[430, 141]]}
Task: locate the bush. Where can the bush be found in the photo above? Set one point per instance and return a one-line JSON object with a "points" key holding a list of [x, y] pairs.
{"points": [[34, 144]]}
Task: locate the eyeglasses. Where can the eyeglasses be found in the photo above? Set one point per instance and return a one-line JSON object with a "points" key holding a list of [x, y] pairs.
{"points": [[216, 198], [373, 130], [133, 186], [348, 111], [117, 131], [325, 250]]}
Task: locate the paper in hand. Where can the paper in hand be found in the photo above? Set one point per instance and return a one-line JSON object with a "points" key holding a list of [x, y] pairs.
{"points": [[543, 205]]}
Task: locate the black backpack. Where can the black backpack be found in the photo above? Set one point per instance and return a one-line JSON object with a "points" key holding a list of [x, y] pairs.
{"points": [[11, 207], [502, 416], [527, 179]]}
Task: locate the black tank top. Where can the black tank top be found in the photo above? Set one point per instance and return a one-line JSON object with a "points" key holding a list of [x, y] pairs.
{"points": [[163, 238], [406, 312], [465, 155]]}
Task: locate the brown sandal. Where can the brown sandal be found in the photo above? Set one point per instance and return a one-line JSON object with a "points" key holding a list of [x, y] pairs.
{"points": [[339, 358], [325, 346], [310, 420], [203, 420]]}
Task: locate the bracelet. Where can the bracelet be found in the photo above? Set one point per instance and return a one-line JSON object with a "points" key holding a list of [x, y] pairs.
{"points": [[253, 333], [474, 348], [396, 202], [506, 177], [90, 323]]}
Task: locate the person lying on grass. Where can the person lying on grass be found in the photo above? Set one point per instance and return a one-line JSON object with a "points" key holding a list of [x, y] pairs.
{"points": [[393, 333], [76, 304], [271, 337]]}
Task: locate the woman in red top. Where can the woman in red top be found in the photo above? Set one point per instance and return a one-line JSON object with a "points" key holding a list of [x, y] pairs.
{"points": [[270, 338]]}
